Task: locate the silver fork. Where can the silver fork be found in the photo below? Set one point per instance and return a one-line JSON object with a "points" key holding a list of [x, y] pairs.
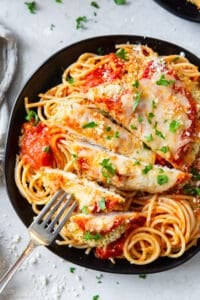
{"points": [[44, 229]]}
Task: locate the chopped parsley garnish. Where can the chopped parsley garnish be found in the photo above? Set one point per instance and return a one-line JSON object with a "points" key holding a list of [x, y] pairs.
{"points": [[116, 135], [149, 138], [80, 22], [108, 128], [145, 146], [32, 117], [140, 119], [107, 169], [159, 133], [191, 190], [137, 100], [59, 1], [75, 156], [195, 174], [121, 53], [176, 58], [108, 137], [136, 83], [85, 210], [147, 169], [174, 126], [120, 2], [90, 236], [70, 79], [96, 297], [162, 179], [143, 276], [100, 51], [90, 125], [164, 82], [102, 203], [72, 269], [154, 105], [133, 127], [164, 149], [95, 4], [46, 149], [32, 7], [150, 117]]}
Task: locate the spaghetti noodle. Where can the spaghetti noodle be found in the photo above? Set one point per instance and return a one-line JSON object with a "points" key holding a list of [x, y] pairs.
{"points": [[121, 133]]}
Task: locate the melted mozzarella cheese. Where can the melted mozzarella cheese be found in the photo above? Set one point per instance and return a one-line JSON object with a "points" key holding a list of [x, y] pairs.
{"points": [[123, 172], [87, 193]]}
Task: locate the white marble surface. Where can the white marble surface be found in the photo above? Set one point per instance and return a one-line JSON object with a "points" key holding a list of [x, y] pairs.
{"points": [[44, 275]]}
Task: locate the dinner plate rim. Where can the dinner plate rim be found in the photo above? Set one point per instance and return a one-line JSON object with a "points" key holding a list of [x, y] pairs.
{"points": [[79, 257], [172, 8]]}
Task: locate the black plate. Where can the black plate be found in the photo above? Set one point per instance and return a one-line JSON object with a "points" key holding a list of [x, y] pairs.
{"points": [[181, 8], [45, 77]]}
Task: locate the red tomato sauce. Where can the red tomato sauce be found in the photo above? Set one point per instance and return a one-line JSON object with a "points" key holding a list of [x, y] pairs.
{"points": [[111, 70], [35, 146], [114, 249]]}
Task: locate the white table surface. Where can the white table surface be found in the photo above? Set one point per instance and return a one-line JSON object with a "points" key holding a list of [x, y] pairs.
{"points": [[44, 275]]}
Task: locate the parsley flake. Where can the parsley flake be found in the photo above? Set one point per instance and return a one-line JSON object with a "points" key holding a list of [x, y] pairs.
{"points": [[162, 179], [122, 53], [96, 297], [116, 135], [59, 1], [80, 22], [85, 210], [136, 83], [195, 174], [164, 82], [159, 133], [89, 236], [147, 169], [150, 117], [164, 149], [149, 138], [90, 125], [95, 4], [174, 126], [143, 276], [191, 190], [107, 169], [32, 117], [120, 2], [32, 7], [70, 79], [102, 204], [137, 100], [72, 269], [46, 149]]}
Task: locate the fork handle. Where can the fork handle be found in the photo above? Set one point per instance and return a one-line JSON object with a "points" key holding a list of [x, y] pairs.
{"points": [[9, 274]]}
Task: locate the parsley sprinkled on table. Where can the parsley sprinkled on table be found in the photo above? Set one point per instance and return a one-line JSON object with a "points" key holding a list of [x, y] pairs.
{"points": [[95, 4], [80, 22], [32, 7], [120, 2], [72, 269]]}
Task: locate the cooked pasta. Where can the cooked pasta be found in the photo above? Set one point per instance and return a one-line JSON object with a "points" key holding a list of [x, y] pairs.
{"points": [[121, 132]]}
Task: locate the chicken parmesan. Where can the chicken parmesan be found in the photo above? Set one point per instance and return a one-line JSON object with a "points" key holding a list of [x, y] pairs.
{"points": [[121, 133]]}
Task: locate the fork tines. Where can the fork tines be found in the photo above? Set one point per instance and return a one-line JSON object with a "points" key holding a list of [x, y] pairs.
{"points": [[50, 216]]}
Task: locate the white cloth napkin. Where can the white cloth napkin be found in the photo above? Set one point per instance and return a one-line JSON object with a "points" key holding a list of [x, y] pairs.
{"points": [[8, 61]]}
